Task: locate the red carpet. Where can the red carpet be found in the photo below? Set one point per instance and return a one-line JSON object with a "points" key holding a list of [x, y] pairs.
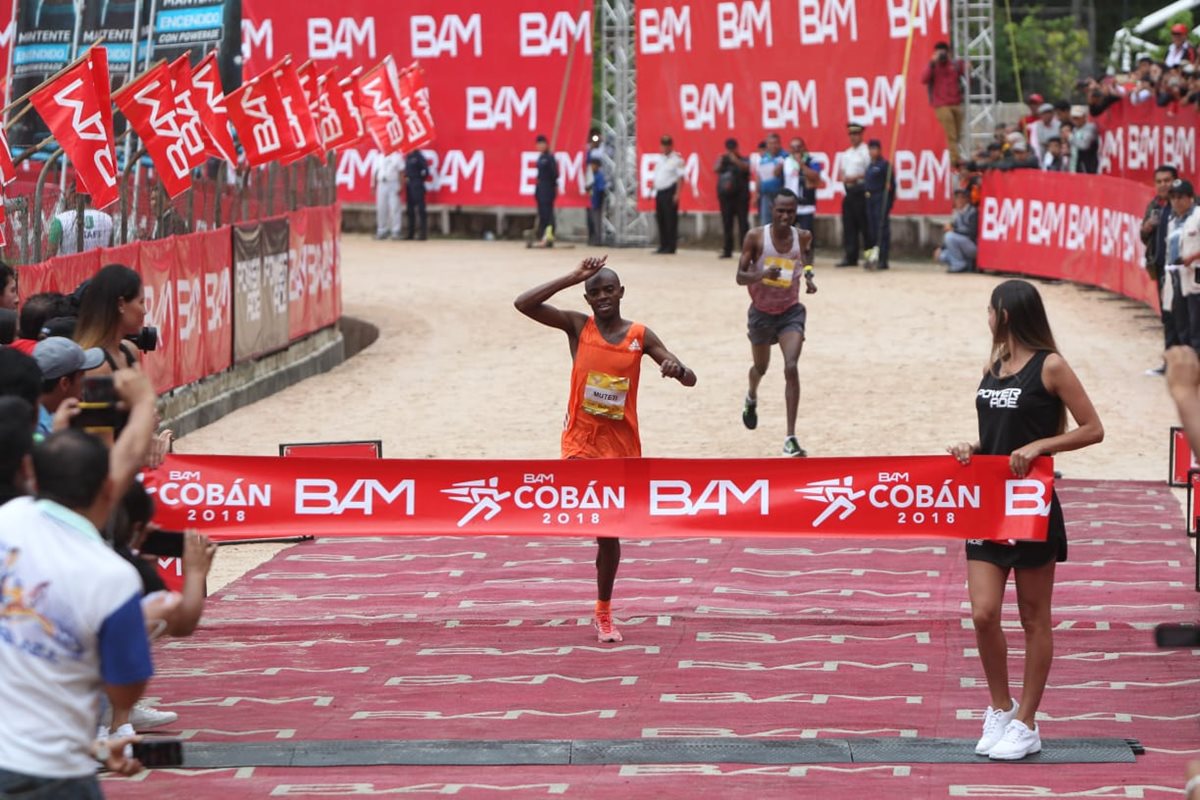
{"points": [[490, 638]]}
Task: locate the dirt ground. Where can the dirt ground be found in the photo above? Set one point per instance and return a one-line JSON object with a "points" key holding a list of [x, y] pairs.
{"points": [[890, 366]]}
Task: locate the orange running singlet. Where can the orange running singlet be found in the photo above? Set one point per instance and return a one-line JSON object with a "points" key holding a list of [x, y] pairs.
{"points": [[602, 409]]}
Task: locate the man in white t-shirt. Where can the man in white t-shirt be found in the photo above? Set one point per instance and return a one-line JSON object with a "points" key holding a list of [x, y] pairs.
{"points": [[668, 176], [64, 228]]}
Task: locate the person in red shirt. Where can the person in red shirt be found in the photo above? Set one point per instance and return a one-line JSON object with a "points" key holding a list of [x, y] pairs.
{"points": [[943, 78], [602, 422]]}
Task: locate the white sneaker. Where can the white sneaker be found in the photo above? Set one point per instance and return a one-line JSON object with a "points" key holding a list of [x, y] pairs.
{"points": [[1018, 742], [994, 724], [145, 718]]}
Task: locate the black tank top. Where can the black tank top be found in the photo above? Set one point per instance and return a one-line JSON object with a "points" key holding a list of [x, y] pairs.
{"points": [[1017, 409]]}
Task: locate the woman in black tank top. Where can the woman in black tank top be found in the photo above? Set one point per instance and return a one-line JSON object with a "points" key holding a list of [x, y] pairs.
{"points": [[1022, 403]]}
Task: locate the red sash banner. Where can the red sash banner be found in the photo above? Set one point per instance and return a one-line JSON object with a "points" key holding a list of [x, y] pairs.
{"points": [[210, 102], [77, 109], [1080, 228], [903, 496], [149, 105]]}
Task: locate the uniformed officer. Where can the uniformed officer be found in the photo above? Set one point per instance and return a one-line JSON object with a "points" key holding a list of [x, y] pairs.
{"points": [[854, 160], [880, 183], [545, 190], [416, 170], [386, 182]]}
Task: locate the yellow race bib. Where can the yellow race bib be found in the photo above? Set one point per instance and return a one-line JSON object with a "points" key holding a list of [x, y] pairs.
{"points": [[786, 267], [604, 395]]}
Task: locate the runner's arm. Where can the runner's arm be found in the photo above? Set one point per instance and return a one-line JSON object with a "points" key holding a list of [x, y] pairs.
{"points": [[747, 272], [672, 367], [532, 303]]}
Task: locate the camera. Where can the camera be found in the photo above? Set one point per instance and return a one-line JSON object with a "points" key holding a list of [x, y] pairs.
{"points": [[145, 340], [98, 409], [163, 543]]}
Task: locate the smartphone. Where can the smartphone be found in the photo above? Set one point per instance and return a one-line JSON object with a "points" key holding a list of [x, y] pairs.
{"points": [[166, 544], [159, 752], [1177, 636], [100, 418], [99, 389]]}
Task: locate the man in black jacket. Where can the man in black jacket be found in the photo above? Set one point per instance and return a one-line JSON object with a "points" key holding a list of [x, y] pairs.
{"points": [[733, 192], [1154, 236]]}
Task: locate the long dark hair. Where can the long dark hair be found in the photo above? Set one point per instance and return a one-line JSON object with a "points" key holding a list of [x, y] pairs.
{"points": [[1021, 315], [98, 310]]}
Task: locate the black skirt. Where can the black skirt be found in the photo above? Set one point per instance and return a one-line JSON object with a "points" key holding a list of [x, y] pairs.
{"points": [[1025, 555]]}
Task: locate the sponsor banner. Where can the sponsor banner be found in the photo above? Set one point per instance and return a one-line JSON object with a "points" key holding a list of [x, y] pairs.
{"points": [[748, 68], [1081, 228], [182, 25], [494, 73], [215, 252], [189, 307], [59, 274], [1181, 460], [260, 288], [923, 496], [1135, 139], [42, 46], [158, 264]]}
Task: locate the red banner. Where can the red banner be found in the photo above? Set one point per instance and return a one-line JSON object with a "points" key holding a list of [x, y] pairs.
{"points": [[159, 265], [495, 74], [1081, 228], [195, 141], [215, 250], [340, 119], [414, 108], [8, 173], [1136, 139], [257, 112], [379, 102], [923, 496], [149, 105], [210, 102], [803, 69], [305, 139], [1181, 459], [77, 109]]}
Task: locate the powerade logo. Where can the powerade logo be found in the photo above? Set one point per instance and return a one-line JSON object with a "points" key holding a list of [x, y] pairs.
{"points": [[189, 19]]}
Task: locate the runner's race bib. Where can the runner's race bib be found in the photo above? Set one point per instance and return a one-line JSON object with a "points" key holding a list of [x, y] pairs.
{"points": [[604, 395], [786, 267]]}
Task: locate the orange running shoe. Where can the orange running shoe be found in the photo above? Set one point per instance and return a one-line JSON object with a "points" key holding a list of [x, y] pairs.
{"points": [[605, 632]]}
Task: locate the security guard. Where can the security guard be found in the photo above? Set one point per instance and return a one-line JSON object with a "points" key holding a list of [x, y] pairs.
{"points": [[854, 161], [416, 170], [545, 190], [880, 183]]}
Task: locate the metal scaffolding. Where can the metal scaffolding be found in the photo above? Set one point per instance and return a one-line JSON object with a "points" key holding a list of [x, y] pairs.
{"points": [[975, 40], [624, 226]]}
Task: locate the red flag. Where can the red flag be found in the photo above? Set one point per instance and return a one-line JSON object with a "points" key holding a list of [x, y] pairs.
{"points": [[261, 121], [210, 102], [3, 222], [341, 120], [8, 173], [379, 102], [77, 109], [305, 138], [414, 108], [307, 73], [149, 105], [196, 141]]}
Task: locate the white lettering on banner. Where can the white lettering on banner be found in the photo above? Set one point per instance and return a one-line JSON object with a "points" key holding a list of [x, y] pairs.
{"points": [[700, 106], [737, 24], [6, 35], [257, 36], [455, 167], [216, 299], [190, 126], [873, 103], [675, 498], [649, 162], [90, 129], [354, 166], [158, 305], [187, 301], [1120, 236], [249, 280], [821, 20], [783, 105], [276, 265], [542, 37], [1064, 225], [294, 124], [893, 490], [327, 41], [1025, 498], [571, 171], [660, 31], [164, 124], [899, 20], [487, 111], [373, 92], [431, 40], [187, 489], [1151, 145], [928, 175], [324, 497], [1001, 218], [266, 132]]}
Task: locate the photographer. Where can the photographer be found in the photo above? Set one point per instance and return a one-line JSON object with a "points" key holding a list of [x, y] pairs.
{"points": [[943, 78], [113, 308]]}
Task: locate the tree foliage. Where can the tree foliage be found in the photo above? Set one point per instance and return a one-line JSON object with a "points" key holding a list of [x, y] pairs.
{"points": [[1049, 55]]}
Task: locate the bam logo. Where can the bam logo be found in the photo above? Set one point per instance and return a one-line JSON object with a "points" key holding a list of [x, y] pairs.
{"points": [[650, 161], [454, 167], [1001, 217], [1026, 498], [327, 41], [571, 171], [823, 21], [737, 26], [164, 124], [899, 21], [355, 166], [373, 92], [873, 103], [430, 40], [542, 37], [783, 105], [90, 129], [265, 132], [216, 300], [487, 112], [187, 300], [700, 106], [665, 30], [927, 174], [158, 306], [261, 36], [190, 139], [677, 498]]}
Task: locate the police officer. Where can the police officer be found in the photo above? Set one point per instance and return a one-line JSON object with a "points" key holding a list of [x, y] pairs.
{"points": [[880, 183], [545, 191], [416, 170], [854, 160]]}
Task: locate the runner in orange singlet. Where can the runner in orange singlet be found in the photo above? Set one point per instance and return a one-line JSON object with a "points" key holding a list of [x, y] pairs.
{"points": [[602, 408]]}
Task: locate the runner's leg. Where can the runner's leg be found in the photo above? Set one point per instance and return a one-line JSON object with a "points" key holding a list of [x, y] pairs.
{"points": [[762, 359], [985, 586], [791, 343], [1034, 589], [608, 558]]}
